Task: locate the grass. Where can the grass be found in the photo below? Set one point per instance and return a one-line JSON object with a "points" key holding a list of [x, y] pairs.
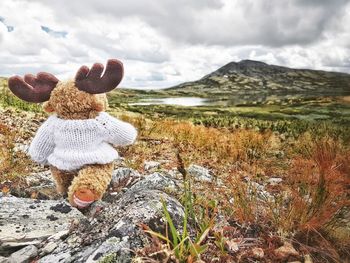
{"points": [[7, 99], [314, 166], [13, 162]]}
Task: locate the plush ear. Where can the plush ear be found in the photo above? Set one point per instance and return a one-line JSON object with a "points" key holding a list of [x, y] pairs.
{"points": [[47, 107]]}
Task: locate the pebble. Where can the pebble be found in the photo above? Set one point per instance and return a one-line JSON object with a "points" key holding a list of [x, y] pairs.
{"points": [[151, 165], [258, 252], [286, 250], [274, 181], [49, 247], [231, 246]]}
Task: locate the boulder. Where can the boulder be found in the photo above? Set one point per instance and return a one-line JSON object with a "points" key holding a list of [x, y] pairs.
{"points": [[24, 255], [116, 230], [26, 221], [156, 181]]}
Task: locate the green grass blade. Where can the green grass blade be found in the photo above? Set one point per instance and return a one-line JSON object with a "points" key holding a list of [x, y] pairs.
{"points": [[173, 230]]}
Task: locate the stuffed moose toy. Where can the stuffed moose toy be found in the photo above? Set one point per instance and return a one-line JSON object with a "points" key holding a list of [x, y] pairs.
{"points": [[76, 140]]}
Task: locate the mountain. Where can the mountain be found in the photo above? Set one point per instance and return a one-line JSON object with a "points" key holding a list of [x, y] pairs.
{"points": [[255, 77]]}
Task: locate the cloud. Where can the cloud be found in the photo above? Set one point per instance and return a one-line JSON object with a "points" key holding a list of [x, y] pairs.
{"points": [[225, 22], [163, 42]]}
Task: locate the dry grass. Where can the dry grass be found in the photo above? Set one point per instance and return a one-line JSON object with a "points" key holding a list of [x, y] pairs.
{"points": [[13, 162], [211, 147], [305, 208]]}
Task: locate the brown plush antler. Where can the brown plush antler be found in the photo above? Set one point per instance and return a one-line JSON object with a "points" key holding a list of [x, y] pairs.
{"points": [[33, 88], [91, 81]]}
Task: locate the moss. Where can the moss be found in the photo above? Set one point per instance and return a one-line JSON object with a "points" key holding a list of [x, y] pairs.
{"points": [[111, 258]]}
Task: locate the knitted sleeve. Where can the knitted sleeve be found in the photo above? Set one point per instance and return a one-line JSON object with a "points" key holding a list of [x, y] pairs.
{"points": [[116, 131], [43, 142]]}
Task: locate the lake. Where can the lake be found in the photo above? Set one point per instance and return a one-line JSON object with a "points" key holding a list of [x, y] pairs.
{"points": [[183, 101], [242, 99]]}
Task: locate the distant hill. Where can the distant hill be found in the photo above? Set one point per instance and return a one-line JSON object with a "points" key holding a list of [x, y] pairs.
{"points": [[254, 77]]}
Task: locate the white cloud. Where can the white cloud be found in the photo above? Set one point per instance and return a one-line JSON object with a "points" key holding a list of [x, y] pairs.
{"points": [[163, 42]]}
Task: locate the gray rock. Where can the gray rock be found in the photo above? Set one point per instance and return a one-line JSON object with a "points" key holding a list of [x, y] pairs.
{"points": [[174, 174], [200, 173], [116, 229], [112, 247], [151, 165], [96, 208], [274, 181], [40, 183], [58, 235], [27, 221], [155, 181], [41, 178], [123, 177], [259, 191], [62, 258], [3, 260], [24, 255], [48, 248]]}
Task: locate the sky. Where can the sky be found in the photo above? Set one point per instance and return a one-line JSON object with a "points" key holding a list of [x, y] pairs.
{"points": [[166, 42]]}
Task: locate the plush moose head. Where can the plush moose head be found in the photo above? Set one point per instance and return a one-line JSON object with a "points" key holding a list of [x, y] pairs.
{"points": [[82, 98]]}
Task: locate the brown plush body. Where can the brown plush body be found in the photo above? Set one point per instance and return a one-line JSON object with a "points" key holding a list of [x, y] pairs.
{"points": [[69, 103]]}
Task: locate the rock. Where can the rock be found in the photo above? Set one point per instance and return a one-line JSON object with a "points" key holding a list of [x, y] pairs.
{"points": [[24, 255], [64, 257], [40, 184], [123, 177], [27, 221], [58, 235], [151, 165], [200, 173], [111, 248], [38, 179], [285, 251], [96, 208], [258, 252], [116, 229], [231, 246], [259, 191], [3, 260], [274, 181], [155, 181], [48, 248], [174, 174]]}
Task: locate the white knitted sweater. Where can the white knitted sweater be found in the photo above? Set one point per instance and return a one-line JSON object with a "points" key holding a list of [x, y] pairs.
{"points": [[70, 144]]}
